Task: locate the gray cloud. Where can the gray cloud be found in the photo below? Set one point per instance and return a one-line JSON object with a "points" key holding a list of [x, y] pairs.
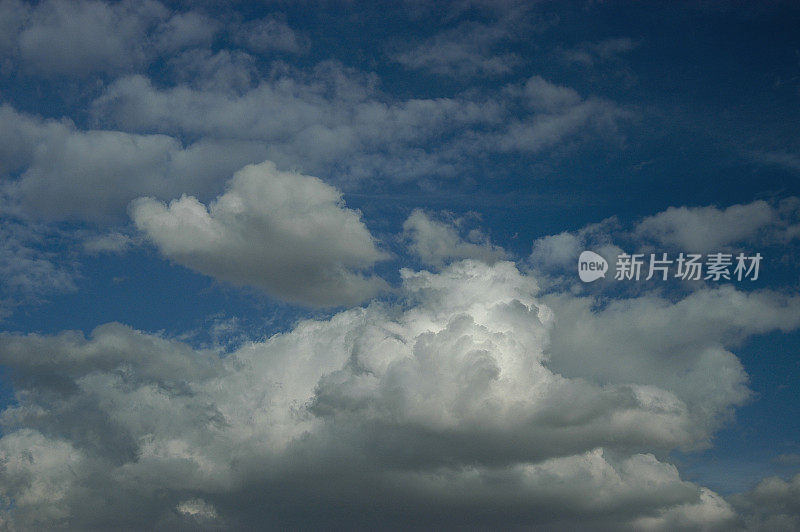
{"points": [[287, 233]]}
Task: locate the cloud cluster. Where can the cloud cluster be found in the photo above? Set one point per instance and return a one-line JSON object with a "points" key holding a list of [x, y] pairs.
{"points": [[287, 233], [462, 401]]}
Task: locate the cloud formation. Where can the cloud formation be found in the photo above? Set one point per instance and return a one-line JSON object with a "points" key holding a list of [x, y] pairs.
{"points": [[284, 232], [460, 400]]}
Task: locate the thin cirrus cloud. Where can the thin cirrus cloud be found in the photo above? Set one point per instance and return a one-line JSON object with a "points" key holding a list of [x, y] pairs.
{"points": [[462, 391], [284, 232]]}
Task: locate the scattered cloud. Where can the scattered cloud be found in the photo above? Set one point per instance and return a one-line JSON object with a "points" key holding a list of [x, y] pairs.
{"points": [[470, 49], [588, 54], [270, 34], [437, 242], [113, 242], [705, 229]]}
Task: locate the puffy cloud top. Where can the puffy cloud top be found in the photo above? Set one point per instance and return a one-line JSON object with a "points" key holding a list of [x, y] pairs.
{"points": [[284, 232]]}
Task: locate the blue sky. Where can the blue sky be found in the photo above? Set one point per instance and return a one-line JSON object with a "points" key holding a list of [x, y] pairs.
{"points": [[342, 237]]}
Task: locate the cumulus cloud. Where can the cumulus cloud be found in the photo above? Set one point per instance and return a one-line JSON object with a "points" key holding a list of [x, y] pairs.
{"points": [[78, 38], [774, 504], [447, 401], [436, 242], [287, 233], [710, 228], [460, 401], [66, 173]]}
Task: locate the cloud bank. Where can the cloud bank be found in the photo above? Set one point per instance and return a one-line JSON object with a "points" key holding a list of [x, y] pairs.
{"points": [[462, 401]]}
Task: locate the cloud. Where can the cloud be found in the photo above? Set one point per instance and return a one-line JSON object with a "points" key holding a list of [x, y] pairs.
{"points": [[461, 401], [464, 51], [29, 271], [774, 504], [436, 242], [284, 232], [113, 242], [81, 38], [66, 173], [707, 229], [704, 229], [588, 54], [270, 34], [332, 117]]}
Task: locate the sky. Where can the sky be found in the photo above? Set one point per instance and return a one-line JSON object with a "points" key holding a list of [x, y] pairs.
{"points": [[318, 265]]}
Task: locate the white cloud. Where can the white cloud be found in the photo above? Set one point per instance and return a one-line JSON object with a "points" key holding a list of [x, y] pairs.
{"points": [[78, 38], [461, 401], [284, 232], [68, 173], [707, 229], [464, 51], [437, 242], [270, 34], [336, 118]]}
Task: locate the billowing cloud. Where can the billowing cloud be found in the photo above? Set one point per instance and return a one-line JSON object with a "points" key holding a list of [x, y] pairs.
{"points": [[436, 242], [287, 233], [460, 401]]}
